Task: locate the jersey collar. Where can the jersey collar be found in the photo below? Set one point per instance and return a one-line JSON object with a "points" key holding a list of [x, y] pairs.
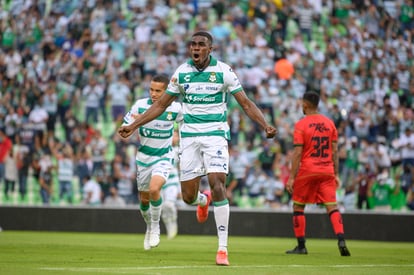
{"points": [[213, 62]]}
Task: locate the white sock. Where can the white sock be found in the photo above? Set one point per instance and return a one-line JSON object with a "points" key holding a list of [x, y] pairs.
{"points": [[169, 212], [155, 215], [201, 199], [222, 215], [146, 215]]}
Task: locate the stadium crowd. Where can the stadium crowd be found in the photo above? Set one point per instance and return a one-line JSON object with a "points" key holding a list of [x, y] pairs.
{"points": [[70, 69]]}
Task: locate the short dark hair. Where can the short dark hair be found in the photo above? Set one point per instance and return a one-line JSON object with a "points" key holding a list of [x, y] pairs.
{"points": [[312, 98], [205, 34], [161, 78]]}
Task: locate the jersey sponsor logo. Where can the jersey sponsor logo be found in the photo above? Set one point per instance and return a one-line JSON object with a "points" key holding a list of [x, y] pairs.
{"points": [[149, 133], [211, 88], [200, 99], [207, 88], [320, 127]]}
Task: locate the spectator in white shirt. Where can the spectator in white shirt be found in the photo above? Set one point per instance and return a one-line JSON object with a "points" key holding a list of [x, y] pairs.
{"points": [[406, 145], [92, 93], [119, 94], [91, 191]]}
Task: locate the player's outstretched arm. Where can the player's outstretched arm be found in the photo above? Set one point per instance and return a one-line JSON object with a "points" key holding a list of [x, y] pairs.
{"points": [[153, 112], [254, 113]]}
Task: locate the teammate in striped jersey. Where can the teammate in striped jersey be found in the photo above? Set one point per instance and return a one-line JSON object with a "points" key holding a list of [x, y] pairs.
{"points": [[204, 84], [155, 156]]}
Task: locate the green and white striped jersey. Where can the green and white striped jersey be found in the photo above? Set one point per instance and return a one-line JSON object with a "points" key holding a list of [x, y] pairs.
{"points": [[204, 96], [155, 136]]}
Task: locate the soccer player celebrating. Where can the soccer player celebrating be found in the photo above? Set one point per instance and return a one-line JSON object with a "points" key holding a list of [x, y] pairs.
{"points": [[155, 156], [314, 173], [204, 82]]}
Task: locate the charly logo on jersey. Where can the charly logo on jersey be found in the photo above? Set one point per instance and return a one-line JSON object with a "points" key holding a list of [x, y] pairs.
{"points": [[213, 77], [187, 78]]}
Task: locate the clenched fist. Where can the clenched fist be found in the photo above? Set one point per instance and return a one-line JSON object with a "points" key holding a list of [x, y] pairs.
{"points": [[125, 131], [270, 131]]}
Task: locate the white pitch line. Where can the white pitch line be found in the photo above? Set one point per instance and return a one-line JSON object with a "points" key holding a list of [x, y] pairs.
{"points": [[126, 269]]}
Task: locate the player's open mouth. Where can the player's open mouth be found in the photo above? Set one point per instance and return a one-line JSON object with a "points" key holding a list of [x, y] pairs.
{"points": [[196, 55]]}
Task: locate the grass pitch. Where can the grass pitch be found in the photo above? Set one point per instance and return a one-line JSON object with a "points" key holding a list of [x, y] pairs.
{"points": [[24, 252]]}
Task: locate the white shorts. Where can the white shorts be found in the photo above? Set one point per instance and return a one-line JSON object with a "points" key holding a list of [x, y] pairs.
{"points": [[145, 173], [200, 156]]}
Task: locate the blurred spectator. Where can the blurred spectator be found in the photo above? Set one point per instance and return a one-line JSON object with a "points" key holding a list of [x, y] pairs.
{"points": [[236, 124], [255, 183], [12, 123], [92, 94], [46, 184], [23, 162], [98, 147], [119, 95], [410, 198], [91, 192], [6, 146], [382, 157], [239, 168], [363, 181], [381, 190], [103, 178], [83, 166], [10, 174], [350, 167], [64, 156], [274, 191], [406, 145], [113, 199], [125, 183], [50, 104], [38, 117], [267, 159], [305, 16]]}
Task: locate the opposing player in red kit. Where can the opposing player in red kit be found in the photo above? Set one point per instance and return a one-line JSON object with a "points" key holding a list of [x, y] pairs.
{"points": [[314, 175]]}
